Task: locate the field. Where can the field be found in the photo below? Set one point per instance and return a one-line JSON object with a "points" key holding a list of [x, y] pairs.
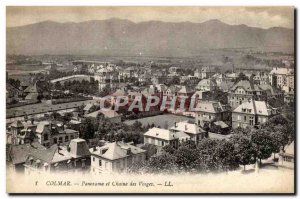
{"points": [[161, 120]]}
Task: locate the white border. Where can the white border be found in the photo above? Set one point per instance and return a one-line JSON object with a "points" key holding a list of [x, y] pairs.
{"points": [[5, 3]]}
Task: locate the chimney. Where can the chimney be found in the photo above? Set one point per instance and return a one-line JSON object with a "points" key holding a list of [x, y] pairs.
{"points": [[94, 148], [175, 123]]}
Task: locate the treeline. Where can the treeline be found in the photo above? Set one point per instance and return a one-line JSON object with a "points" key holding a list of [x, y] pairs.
{"points": [[245, 146], [75, 86]]}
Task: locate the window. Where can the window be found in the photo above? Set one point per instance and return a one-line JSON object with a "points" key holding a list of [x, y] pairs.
{"points": [[93, 159], [55, 140], [238, 117], [66, 138], [251, 121], [60, 139], [72, 137], [100, 163], [46, 137], [245, 118], [162, 143]]}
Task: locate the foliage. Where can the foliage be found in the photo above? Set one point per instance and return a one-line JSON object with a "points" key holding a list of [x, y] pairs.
{"points": [[262, 143], [243, 147]]}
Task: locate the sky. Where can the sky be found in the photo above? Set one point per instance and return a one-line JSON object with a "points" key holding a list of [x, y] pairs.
{"points": [[263, 17]]}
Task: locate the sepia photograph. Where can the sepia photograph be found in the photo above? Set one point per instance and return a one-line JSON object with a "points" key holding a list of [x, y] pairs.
{"points": [[150, 100]]}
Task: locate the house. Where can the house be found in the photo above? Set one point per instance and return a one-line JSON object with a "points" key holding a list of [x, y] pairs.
{"points": [[186, 93], [284, 78], [50, 133], [207, 72], [244, 90], [16, 155], [12, 93], [162, 137], [169, 95], [115, 157], [210, 111], [287, 157], [62, 159], [220, 79], [225, 86], [206, 85], [22, 132], [273, 93], [194, 132], [111, 115], [175, 71], [159, 80], [252, 113], [261, 78]]}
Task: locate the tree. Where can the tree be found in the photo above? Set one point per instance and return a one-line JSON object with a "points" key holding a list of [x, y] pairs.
{"points": [[186, 155], [262, 143], [207, 160], [226, 155], [240, 77], [244, 149], [165, 163], [88, 129]]}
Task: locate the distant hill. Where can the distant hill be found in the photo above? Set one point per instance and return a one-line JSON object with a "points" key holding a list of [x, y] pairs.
{"points": [[155, 38]]}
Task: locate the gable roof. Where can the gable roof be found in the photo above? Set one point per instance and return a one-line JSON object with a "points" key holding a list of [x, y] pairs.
{"points": [[186, 89], [207, 82], [18, 153], [247, 85], [210, 107], [160, 134], [17, 124], [187, 128], [113, 151], [271, 89], [109, 113], [31, 89], [255, 107]]}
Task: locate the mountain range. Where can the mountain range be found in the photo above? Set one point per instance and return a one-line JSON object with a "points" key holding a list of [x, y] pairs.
{"points": [[119, 37]]}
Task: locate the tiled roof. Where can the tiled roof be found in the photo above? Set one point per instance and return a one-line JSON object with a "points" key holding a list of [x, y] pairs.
{"points": [[272, 89], [246, 85], [18, 153], [255, 107], [207, 82], [110, 151], [210, 107], [31, 89], [17, 123], [160, 133], [187, 128], [109, 113]]}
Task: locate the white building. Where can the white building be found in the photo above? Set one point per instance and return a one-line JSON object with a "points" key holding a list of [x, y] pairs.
{"points": [[115, 157]]}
